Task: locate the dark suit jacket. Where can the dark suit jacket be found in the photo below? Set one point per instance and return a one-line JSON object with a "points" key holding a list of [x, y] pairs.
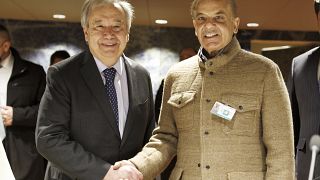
{"points": [[76, 128], [305, 99], [25, 88]]}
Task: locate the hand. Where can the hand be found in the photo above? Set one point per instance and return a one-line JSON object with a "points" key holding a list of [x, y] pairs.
{"points": [[7, 115], [123, 170]]}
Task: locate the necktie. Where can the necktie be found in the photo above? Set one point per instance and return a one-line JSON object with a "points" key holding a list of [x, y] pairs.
{"points": [[109, 75]]}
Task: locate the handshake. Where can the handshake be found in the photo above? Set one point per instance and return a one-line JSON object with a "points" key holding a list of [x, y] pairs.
{"points": [[123, 170]]}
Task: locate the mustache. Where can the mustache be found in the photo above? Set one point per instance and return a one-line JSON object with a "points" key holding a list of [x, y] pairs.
{"points": [[207, 32]]}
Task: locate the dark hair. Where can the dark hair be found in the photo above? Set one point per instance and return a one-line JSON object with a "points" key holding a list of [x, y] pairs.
{"points": [[316, 6], [4, 32], [62, 54]]}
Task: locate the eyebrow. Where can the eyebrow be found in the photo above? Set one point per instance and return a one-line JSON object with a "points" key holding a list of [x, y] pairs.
{"points": [[218, 12]]}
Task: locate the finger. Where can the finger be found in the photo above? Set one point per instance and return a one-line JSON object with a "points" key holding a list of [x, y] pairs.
{"points": [[116, 166], [140, 176]]}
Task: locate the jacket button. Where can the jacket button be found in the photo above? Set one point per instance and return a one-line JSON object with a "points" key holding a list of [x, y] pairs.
{"points": [[208, 100], [199, 165], [210, 63], [206, 132], [240, 107], [14, 84], [207, 166], [211, 73]]}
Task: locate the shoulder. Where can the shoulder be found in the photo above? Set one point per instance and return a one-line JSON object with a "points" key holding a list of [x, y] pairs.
{"points": [[306, 55], [70, 64], [138, 68], [256, 61], [185, 66], [30, 67]]}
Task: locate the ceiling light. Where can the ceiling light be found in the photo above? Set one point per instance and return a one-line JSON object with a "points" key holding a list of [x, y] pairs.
{"points": [[59, 16], [161, 21], [252, 25], [275, 48]]}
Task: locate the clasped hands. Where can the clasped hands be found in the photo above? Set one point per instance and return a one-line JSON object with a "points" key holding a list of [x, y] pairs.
{"points": [[123, 170]]}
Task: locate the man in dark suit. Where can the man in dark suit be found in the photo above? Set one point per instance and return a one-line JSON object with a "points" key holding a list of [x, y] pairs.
{"points": [[305, 100], [98, 105], [22, 84]]}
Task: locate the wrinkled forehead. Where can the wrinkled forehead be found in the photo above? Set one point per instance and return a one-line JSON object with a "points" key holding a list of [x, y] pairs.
{"points": [[213, 7], [109, 11]]}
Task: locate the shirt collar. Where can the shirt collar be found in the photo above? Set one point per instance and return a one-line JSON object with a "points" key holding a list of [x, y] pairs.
{"points": [[7, 62], [205, 55], [119, 66]]}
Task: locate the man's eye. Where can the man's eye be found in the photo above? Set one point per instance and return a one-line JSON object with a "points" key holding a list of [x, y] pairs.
{"points": [[98, 28], [201, 19], [116, 28], [219, 18]]}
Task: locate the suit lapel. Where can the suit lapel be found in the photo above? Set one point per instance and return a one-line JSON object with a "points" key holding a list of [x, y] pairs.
{"points": [[311, 72], [92, 78], [131, 78], [18, 67], [311, 81]]}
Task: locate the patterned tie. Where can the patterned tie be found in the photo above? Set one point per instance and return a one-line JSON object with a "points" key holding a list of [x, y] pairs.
{"points": [[109, 75]]}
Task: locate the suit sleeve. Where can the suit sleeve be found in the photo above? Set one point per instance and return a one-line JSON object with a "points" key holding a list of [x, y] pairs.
{"points": [[277, 127], [27, 115], [53, 138], [151, 118]]}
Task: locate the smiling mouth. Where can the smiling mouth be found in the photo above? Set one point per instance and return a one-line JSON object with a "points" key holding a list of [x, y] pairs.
{"points": [[109, 44], [210, 35]]}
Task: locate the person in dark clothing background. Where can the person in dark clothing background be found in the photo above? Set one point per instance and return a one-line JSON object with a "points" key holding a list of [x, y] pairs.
{"points": [[304, 93], [58, 56], [22, 84]]}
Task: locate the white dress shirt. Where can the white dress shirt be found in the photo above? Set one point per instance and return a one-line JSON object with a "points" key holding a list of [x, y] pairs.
{"points": [[6, 67], [121, 85], [5, 73], [319, 70]]}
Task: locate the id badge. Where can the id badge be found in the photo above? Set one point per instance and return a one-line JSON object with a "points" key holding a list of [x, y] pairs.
{"points": [[223, 111]]}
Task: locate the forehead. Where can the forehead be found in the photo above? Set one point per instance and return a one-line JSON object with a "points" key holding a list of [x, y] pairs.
{"points": [[107, 11], [214, 6]]}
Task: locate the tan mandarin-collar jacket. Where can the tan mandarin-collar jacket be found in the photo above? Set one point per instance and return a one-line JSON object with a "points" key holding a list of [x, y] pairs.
{"points": [[256, 144]]}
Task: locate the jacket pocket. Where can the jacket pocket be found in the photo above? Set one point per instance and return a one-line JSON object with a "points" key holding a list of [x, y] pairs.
{"points": [[244, 121], [246, 175], [176, 174], [183, 109]]}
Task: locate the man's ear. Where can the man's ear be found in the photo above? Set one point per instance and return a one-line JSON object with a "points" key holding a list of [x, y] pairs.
{"points": [[194, 25], [236, 23], [7, 45], [85, 32]]}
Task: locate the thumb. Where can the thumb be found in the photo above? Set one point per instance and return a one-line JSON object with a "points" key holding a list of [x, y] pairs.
{"points": [[116, 165]]}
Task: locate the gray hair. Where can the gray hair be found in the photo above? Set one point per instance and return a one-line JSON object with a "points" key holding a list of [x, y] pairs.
{"points": [[89, 4], [195, 4]]}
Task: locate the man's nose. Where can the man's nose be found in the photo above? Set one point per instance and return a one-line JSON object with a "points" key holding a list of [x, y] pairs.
{"points": [[210, 22], [108, 32]]}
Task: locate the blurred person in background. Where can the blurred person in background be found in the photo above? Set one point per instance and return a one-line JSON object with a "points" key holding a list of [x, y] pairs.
{"points": [[22, 84], [58, 56], [304, 90]]}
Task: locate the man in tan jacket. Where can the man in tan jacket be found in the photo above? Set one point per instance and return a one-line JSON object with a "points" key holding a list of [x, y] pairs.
{"points": [[225, 112]]}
